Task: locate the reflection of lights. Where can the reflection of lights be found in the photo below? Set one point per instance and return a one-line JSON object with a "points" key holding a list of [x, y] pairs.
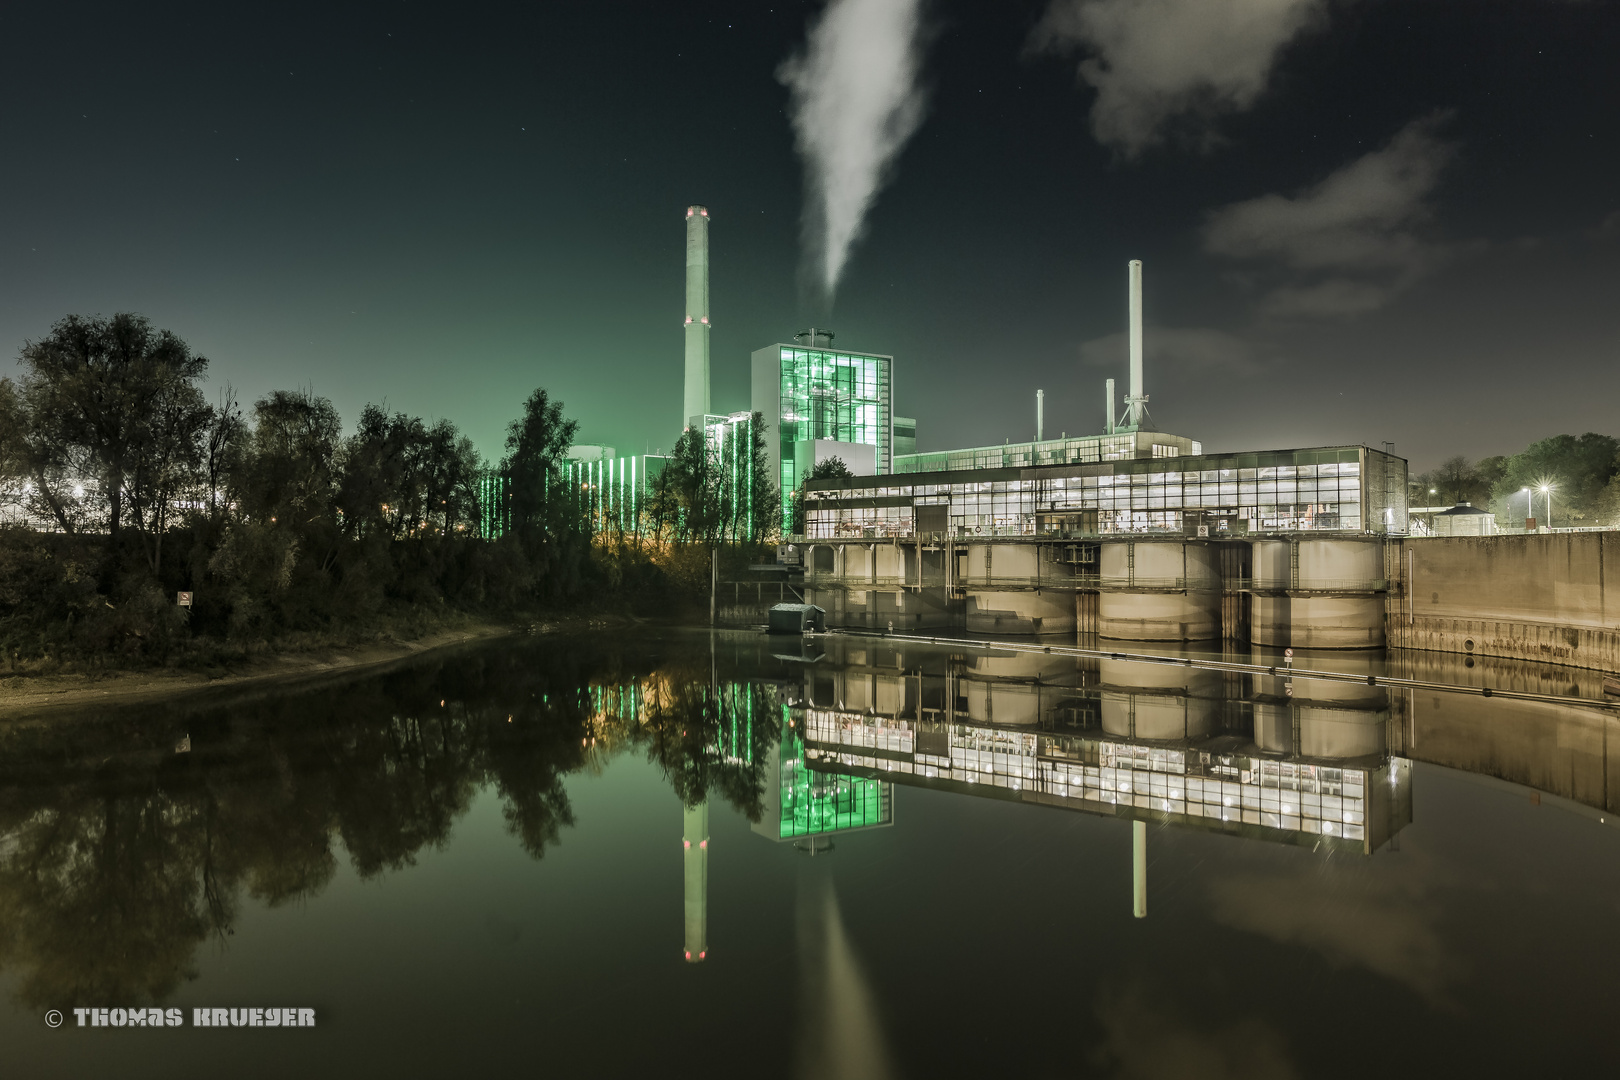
{"points": [[1327, 826]]}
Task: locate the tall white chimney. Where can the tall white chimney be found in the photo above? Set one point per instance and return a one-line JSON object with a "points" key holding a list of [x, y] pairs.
{"points": [[1110, 429], [696, 399], [1040, 415], [1136, 401]]}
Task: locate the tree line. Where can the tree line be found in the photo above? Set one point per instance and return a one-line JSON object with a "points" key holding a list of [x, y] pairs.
{"points": [[1581, 472], [123, 484]]}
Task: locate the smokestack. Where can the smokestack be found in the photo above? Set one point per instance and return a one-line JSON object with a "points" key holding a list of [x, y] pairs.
{"points": [[696, 399], [1040, 415], [1110, 406], [1136, 401]]}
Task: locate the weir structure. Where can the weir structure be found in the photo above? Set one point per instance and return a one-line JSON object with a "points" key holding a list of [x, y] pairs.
{"points": [[1283, 548]]}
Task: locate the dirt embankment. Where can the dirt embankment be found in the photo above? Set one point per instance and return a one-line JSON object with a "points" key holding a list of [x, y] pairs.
{"points": [[33, 693]]}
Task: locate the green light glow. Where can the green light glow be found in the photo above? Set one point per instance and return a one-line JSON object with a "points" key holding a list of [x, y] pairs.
{"points": [[826, 394], [815, 802]]}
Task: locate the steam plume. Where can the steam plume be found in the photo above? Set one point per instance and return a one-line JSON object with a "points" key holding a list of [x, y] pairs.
{"points": [[855, 102]]}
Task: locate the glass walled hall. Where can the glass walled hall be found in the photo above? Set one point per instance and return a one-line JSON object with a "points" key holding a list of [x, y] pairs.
{"points": [[815, 395], [1331, 489]]}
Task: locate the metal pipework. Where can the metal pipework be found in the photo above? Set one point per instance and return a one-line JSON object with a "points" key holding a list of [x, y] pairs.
{"points": [[695, 401], [1136, 401]]}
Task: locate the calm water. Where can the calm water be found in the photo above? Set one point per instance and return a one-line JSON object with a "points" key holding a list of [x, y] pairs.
{"points": [[908, 862]]}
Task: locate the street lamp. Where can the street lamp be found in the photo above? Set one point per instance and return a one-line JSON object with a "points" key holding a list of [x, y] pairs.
{"points": [[1547, 490], [1529, 509]]}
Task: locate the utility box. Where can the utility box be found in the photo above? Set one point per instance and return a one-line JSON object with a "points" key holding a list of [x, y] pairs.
{"points": [[796, 619]]}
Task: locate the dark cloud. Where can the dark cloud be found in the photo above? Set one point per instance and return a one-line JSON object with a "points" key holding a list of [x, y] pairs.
{"points": [[1355, 238]]}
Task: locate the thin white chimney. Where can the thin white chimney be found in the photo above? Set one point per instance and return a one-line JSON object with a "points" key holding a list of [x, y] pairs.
{"points": [[695, 401], [1040, 415], [1136, 400]]}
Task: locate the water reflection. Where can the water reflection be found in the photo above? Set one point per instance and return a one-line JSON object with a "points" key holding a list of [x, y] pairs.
{"points": [[1295, 761], [120, 858]]}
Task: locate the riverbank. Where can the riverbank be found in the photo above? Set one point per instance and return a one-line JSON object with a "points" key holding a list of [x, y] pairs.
{"points": [[35, 693]]}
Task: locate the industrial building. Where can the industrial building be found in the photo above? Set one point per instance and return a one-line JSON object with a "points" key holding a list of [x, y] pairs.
{"points": [[613, 492], [1324, 489], [822, 402]]}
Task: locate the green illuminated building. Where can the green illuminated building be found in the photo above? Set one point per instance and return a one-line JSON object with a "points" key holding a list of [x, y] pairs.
{"points": [[821, 402], [802, 801], [613, 491]]}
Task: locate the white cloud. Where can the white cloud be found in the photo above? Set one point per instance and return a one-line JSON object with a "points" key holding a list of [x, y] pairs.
{"points": [[1355, 238], [1153, 61]]}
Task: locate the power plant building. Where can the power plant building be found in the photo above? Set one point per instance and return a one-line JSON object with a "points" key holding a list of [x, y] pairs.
{"points": [[1333, 489], [821, 402]]}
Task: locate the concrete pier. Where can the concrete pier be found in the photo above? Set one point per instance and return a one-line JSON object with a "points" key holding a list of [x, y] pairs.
{"points": [[1159, 590]]}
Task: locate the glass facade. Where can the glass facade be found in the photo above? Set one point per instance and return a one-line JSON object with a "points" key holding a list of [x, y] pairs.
{"points": [[823, 394], [1299, 797], [1083, 449], [1336, 489], [814, 802]]}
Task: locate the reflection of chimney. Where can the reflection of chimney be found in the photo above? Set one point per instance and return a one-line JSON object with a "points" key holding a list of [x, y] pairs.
{"points": [[1139, 868], [1136, 401], [696, 401], [696, 820]]}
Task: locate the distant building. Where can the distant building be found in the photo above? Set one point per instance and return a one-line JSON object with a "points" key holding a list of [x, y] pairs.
{"points": [[905, 436], [1464, 519], [613, 491]]}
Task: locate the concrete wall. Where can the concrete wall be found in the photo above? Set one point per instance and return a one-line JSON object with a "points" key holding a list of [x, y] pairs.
{"points": [[1542, 597]]}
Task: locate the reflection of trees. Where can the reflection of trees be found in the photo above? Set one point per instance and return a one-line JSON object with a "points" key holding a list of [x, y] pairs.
{"points": [[118, 858], [713, 738]]}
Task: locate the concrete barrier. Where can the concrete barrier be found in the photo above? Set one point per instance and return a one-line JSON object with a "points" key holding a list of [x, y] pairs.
{"points": [[1537, 597]]}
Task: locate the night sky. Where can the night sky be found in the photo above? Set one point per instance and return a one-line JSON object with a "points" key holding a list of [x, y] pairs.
{"points": [[1361, 221]]}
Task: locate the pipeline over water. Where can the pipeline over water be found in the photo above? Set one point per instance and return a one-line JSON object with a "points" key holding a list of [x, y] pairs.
{"points": [[1286, 670]]}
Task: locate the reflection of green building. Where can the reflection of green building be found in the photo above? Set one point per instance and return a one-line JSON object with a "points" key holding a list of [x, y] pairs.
{"points": [[820, 402], [803, 801]]}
